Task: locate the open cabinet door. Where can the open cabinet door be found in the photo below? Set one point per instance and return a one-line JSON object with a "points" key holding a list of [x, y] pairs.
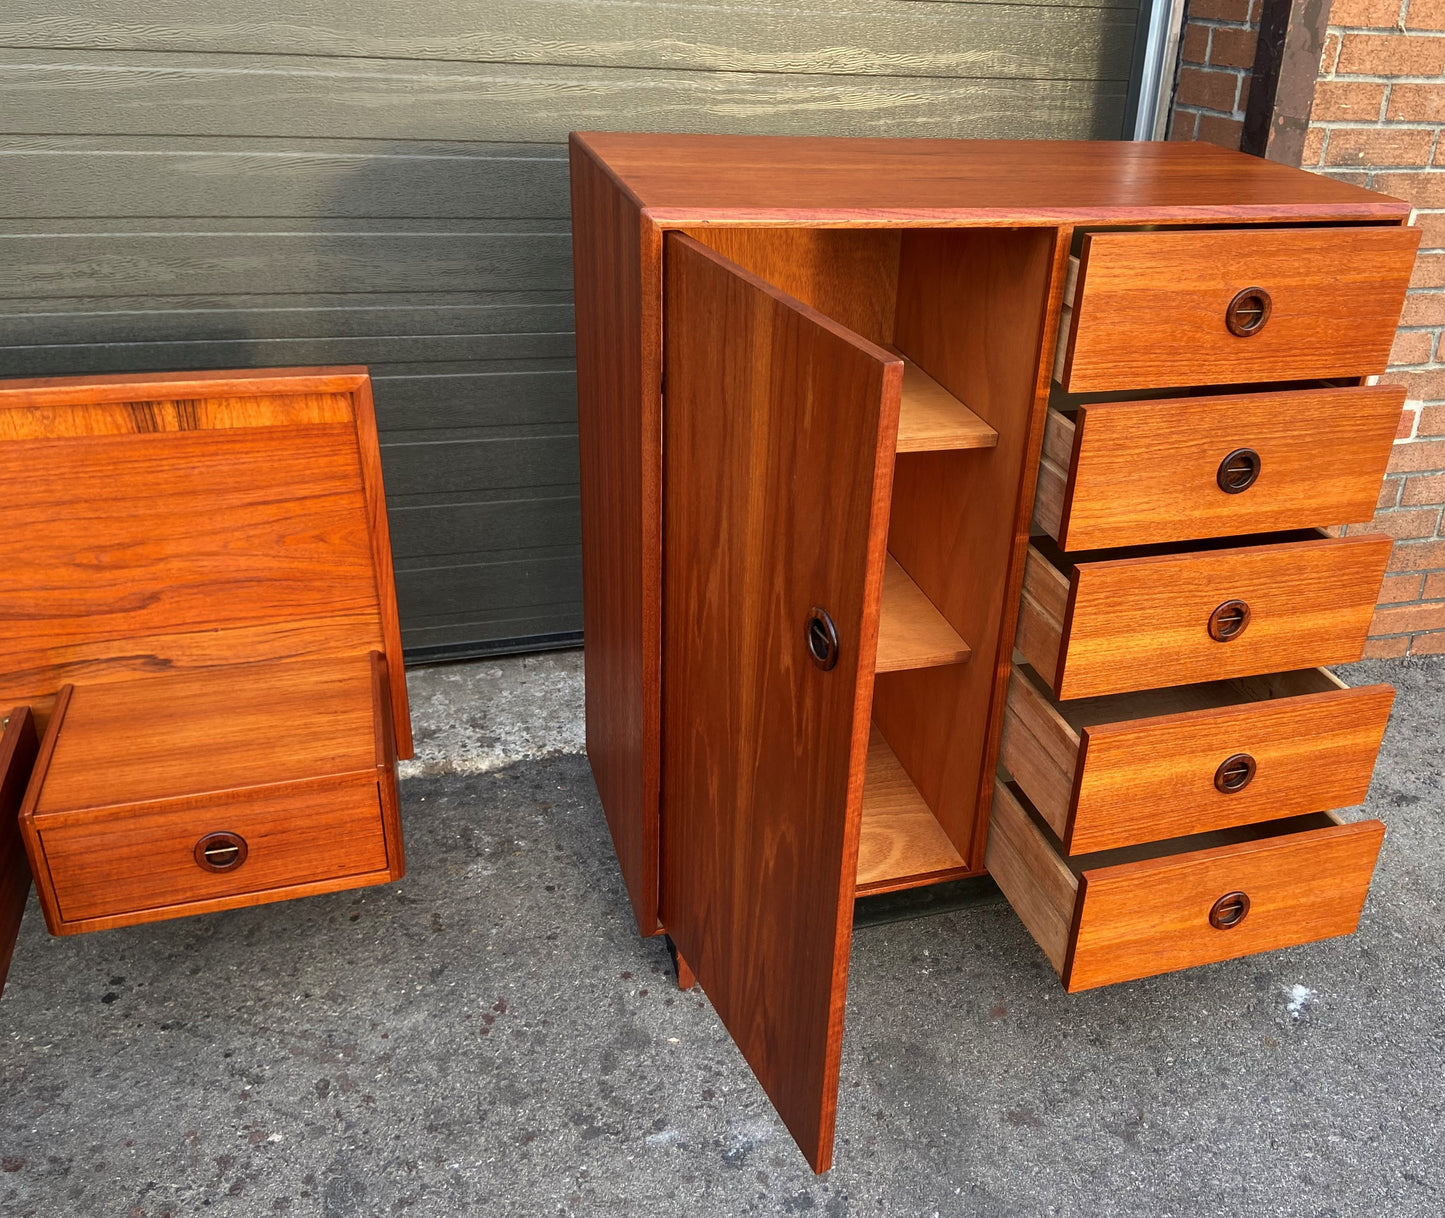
{"points": [[18, 746], [779, 429]]}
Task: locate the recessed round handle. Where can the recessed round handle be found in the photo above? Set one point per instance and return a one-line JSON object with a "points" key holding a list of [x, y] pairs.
{"points": [[1229, 911], [1228, 621], [1234, 773], [822, 638], [1248, 312], [221, 851], [1238, 471]]}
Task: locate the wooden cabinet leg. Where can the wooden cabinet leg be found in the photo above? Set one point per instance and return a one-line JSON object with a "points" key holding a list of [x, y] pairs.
{"points": [[686, 978]]}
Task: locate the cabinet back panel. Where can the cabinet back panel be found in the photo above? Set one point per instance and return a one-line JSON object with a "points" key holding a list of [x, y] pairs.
{"points": [[850, 275]]}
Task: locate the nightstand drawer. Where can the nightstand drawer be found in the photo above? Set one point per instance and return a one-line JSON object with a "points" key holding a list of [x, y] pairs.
{"points": [[198, 852], [1114, 621], [1141, 767], [1126, 914], [1230, 306], [1178, 469]]}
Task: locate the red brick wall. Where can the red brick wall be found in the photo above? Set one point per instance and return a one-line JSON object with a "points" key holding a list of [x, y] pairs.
{"points": [[1216, 55], [1379, 109], [1378, 112]]}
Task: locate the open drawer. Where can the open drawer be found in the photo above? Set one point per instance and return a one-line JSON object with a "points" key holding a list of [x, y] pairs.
{"points": [[1118, 620], [1139, 767], [184, 793], [1124, 914], [1228, 306], [1174, 469]]}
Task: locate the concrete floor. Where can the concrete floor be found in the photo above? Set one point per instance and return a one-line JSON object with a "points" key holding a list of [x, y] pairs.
{"points": [[490, 1036]]}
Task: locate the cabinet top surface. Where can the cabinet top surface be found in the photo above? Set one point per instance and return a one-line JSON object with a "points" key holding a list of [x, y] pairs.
{"points": [[682, 180]]}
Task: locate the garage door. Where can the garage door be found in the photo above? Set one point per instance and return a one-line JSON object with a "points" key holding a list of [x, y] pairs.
{"points": [[191, 184]]}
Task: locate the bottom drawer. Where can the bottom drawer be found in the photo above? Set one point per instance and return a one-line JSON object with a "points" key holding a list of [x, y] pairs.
{"points": [[1123, 914], [127, 861]]}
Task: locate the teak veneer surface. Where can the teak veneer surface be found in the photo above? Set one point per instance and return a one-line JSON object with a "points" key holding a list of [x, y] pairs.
{"points": [[930, 419], [18, 747], [1131, 473], [1141, 621], [1115, 771], [617, 269], [189, 733], [911, 631], [680, 180], [900, 844], [189, 521], [777, 419], [974, 312], [1126, 914], [1150, 308]]}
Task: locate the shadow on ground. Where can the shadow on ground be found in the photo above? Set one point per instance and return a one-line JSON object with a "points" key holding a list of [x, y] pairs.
{"points": [[490, 1036]]}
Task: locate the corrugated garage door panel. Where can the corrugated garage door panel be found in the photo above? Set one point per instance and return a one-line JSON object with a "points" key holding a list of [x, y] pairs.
{"points": [[198, 185]]}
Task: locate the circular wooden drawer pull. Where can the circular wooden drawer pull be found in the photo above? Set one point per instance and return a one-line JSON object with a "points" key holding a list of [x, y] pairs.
{"points": [[1229, 911], [221, 851], [1239, 471], [822, 637], [1248, 312], [1234, 773], [1228, 621]]}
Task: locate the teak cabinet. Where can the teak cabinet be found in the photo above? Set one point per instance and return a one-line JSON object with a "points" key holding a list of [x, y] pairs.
{"points": [[952, 506], [201, 622]]}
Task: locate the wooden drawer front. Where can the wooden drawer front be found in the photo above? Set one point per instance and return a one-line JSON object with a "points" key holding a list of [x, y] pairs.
{"points": [[1132, 473], [1141, 622], [1115, 917], [1149, 309], [1142, 767], [108, 864]]}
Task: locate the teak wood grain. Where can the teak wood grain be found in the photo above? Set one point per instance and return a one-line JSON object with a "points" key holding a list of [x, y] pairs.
{"points": [[1121, 915], [780, 424], [192, 521], [900, 844], [297, 758], [1150, 307], [191, 733], [1109, 772], [18, 747], [683, 180], [1141, 622], [911, 631], [617, 269], [303, 837], [1139, 472], [974, 313], [930, 419]]}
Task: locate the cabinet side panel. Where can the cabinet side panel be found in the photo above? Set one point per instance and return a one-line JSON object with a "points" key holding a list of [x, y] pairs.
{"points": [[616, 267]]}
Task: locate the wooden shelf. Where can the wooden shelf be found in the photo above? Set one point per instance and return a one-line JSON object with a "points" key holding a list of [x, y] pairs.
{"points": [[930, 419], [901, 844], [911, 631]]}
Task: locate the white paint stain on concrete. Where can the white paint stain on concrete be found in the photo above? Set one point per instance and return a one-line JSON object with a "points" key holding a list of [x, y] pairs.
{"points": [[481, 715], [1301, 998]]}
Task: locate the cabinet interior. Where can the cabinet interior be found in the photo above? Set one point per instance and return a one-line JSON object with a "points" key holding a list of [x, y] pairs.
{"points": [[965, 309]]}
